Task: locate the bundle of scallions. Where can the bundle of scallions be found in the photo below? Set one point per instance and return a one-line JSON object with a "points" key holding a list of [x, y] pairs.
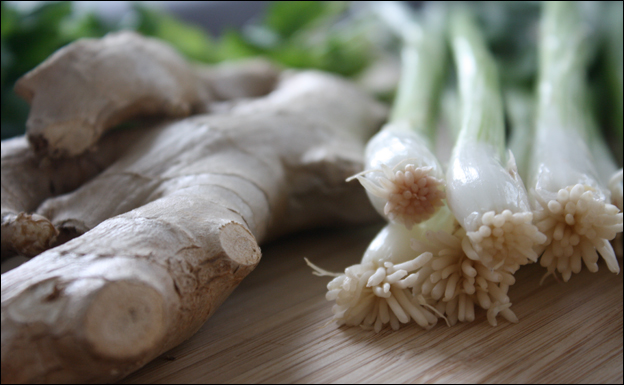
{"points": [[456, 235]]}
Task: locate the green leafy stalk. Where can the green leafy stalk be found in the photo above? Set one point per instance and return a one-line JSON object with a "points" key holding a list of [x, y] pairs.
{"points": [[423, 67], [563, 61], [482, 109]]}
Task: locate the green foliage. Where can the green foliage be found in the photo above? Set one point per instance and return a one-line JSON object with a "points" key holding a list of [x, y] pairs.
{"points": [[190, 40], [9, 20], [35, 35], [302, 34], [287, 17], [89, 25], [234, 46]]}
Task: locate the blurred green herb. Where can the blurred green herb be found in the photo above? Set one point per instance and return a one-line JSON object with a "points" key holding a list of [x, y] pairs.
{"points": [[304, 34], [287, 17], [191, 41]]}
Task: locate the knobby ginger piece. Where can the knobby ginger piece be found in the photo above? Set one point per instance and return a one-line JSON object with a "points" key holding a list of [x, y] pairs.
{"points": [[92, 85], [173, 226], [28, 180]]}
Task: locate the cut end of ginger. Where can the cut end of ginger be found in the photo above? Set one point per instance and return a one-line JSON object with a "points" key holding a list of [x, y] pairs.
{"points": [[453, 283], [377, 293], [578, 225], [412, 194], [505, 239]]}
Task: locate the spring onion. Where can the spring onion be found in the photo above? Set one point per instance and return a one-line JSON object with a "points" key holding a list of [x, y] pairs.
{"points": [[488, 199], [378, 291], [402, 176], [571, 204]]}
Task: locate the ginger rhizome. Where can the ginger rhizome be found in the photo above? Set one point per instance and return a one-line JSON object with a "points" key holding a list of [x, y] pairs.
{"points": [[172, 225]]}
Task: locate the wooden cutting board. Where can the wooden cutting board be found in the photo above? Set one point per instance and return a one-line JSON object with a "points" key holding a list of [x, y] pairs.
{"points": [[274, 328]]}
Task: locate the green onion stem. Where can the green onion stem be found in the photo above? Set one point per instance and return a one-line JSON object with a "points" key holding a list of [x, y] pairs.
{"points": [[423, 67], [482, 110]]}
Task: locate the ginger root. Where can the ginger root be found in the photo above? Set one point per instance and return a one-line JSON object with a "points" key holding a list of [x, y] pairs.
{"points": [[92, 85], [173, 226]]}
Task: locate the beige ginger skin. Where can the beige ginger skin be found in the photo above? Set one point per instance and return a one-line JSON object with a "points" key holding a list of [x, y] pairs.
{"points": [[173, 224], [88, 87]]}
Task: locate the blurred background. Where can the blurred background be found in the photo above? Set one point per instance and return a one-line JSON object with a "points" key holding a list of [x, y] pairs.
{"points": [[338, 36], [294, 34]]}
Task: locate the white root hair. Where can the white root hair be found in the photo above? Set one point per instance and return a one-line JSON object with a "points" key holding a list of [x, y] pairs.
{"points": [[578, 226], [504, 239], [377, 293], [455, 283]]}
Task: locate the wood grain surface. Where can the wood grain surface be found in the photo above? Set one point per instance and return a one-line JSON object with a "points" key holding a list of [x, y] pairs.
{"points": [[274, 328]]}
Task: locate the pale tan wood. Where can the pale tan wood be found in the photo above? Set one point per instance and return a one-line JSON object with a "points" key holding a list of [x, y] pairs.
{"points": [[272, 329]]}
